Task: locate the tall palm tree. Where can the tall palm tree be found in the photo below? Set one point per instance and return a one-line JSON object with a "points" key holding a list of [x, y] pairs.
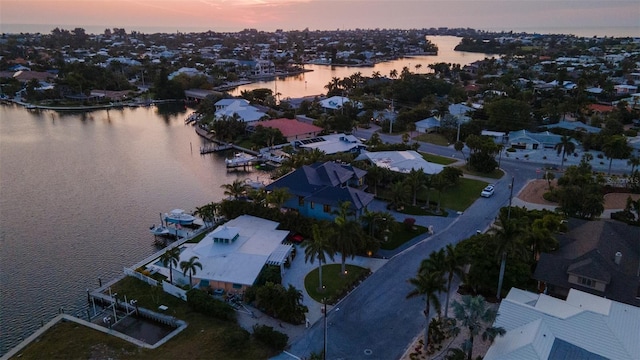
{"points": [[474, 314], [398, 194], [454, 264], [428, 284], [235, 189], [318, 247], [208, 213], [190, 267], [634, 162], [616, 147], [508, 239], [434, 264], [170, 258], [346, 241], [416, 180], [277, 197], [439, 183], [565, 146]]}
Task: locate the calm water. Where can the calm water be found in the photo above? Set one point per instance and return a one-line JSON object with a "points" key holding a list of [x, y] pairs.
{"points": [[77, 195], [78, 192], [313, 82]]}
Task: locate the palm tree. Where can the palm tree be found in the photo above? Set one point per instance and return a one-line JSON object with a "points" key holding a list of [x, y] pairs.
{"points": [[439, 183], [370, 219], [346, 241], [318, 248], [548, 175], [208, 213], [616, 147], [454, 264], [393, 73], [170, 258], [190, 266], [416, 180], [428, 284], [277, 197], [375, 174], [634, 162], [508, 240], [398, 194], [564, 146], [474, 314], [235, 189]]}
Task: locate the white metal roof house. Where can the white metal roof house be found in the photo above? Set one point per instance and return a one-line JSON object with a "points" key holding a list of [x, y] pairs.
{"points": [[401, 161], [332, 143], [336, 102], [240, 108], [233, 254], [584, 326]]}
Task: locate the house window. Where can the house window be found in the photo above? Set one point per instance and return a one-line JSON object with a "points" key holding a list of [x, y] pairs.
{"points": [[587, 282], [300, 201], [327, 208], [311, 204]]}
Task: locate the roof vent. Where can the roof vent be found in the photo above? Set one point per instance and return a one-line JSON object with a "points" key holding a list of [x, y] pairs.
{"points": [[618, 258]]}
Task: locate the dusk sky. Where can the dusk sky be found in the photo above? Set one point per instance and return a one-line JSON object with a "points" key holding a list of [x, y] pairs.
{"points": [[268, 15]]}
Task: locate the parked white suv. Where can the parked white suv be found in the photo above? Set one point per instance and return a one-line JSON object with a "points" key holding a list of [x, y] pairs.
{"points": [[488, 191]]}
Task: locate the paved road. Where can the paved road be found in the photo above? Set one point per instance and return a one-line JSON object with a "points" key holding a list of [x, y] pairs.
{"points": [[376, 321]]}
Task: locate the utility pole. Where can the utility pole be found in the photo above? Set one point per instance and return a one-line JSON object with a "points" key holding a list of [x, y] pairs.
{"points": [[510, 198]]}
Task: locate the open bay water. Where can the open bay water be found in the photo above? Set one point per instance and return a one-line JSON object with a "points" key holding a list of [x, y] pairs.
{"points": [[78, 193]]}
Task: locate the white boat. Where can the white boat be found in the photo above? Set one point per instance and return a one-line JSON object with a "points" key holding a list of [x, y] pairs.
{"points": [[180, 217], [240, 159], [159, 230]]}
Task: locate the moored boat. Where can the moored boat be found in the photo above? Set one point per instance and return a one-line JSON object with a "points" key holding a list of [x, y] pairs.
{"points": [[180, 217], [159, 230]]}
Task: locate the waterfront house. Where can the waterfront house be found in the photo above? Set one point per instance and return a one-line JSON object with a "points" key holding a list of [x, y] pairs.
{"points": [[233, 254], [332, 144], [239, 108], [401, 161], [583, 326], [318, 190], [290, 128]]}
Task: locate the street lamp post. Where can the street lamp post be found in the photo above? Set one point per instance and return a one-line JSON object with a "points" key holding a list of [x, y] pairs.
{"points": [[324, 349]]}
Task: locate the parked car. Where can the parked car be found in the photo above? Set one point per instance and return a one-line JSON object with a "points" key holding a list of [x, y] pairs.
{"points": [[488, 191], [295, 238]]}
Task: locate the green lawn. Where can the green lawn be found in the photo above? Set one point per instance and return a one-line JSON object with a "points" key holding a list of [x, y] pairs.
{"points": [[495, 174], [201, 339], [401, 236], [334, 283], [437, 159], [458, 197], [433, 138]]}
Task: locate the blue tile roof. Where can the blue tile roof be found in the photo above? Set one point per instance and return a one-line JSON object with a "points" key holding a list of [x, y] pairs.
{"points": [[325, 183]]}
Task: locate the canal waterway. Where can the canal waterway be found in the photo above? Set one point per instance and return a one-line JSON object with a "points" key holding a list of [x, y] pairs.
{"points": [[313, 82], [78, 191]]}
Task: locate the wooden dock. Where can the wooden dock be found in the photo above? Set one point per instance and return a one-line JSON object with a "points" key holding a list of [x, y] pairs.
{"points": [[215, 148]]}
